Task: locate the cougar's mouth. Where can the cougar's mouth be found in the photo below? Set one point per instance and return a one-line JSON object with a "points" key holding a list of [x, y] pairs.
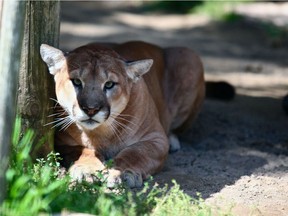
{"points": [[89, 124], [90, 121]]}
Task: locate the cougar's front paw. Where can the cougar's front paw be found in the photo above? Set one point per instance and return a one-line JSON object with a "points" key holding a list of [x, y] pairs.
{"points": [[132, 179], [87, 172], [127, 177], [113, 178]]}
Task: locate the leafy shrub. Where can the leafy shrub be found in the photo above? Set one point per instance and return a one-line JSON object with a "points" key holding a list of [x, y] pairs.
{"points": [[41, 188]]}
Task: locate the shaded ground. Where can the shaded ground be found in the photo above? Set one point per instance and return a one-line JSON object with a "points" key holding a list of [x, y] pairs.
{"points": [[236, 153]]}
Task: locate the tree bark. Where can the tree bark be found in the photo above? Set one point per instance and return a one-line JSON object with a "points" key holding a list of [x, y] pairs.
{"points": [[36, 87], [12, 25]]}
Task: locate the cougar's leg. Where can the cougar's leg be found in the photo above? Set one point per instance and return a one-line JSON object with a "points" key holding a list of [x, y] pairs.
{"points": [[184, 86]]}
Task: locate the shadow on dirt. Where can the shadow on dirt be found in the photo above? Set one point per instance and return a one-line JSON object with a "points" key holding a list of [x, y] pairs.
{"points": [[226, 142]]}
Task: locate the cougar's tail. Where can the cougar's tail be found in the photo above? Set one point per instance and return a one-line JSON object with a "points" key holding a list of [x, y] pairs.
{"points": [[220, 90], [285, 104]]}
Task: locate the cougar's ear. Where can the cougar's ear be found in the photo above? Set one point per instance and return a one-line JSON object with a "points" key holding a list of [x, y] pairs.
{"points": [[136, 69], [54, 58]]}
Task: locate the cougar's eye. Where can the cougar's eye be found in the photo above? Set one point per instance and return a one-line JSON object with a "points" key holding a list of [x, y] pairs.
{"points": [[109, 85], [76, 82]]}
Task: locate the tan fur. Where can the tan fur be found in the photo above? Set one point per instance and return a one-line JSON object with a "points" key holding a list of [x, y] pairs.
{"points": [[164, 101]]}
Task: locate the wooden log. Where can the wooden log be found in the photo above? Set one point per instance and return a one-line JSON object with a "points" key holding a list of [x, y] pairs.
{"points": [[12, 25], [36, 87]]}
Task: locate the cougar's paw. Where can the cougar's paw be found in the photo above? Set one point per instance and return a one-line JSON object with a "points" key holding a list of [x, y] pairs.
{"points": [[132, 179], [127, 177], [87, 172], [113, 178], [174, 143]]}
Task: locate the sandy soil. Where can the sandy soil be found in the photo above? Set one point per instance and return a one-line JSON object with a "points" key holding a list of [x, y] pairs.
{"points": [[236, 153]]}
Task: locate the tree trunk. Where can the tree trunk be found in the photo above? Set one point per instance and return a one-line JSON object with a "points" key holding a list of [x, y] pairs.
{"points": [[36, 87], [12, 25]]}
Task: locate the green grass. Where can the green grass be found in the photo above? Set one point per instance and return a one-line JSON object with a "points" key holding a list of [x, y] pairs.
{"points": [[218, 10], [38, 188]]}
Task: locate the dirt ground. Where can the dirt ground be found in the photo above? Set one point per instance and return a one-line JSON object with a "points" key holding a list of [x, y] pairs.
{"points": [[236, 153]]}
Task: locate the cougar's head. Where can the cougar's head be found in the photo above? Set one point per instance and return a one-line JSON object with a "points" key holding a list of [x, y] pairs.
{"points": [[93, 83]]}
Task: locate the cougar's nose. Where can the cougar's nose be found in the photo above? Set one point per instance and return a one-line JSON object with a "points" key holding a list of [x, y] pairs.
{"points": [[90, 111]]}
